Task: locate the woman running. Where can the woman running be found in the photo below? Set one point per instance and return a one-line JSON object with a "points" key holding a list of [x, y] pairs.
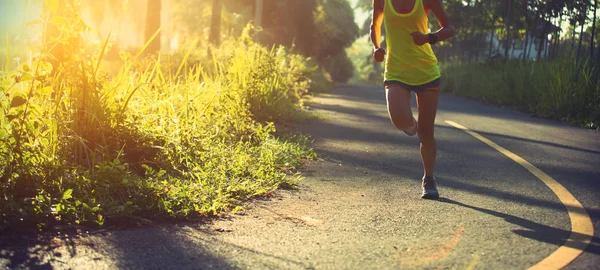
{"points": [[412, 66]]}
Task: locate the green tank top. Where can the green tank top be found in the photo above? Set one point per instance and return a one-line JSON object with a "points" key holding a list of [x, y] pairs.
{"points": [[406, 61]]}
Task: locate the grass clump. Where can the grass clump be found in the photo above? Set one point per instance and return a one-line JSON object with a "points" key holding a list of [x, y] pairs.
{"points": [[80, 147], [564, 89]]}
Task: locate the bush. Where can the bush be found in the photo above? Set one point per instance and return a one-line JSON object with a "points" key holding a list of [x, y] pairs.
{"points": [[367, 71], [341, 68], [563, 89], [77, 146]]}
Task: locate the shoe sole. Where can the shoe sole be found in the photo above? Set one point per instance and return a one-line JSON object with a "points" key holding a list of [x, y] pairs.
{"points": [[430, 196]]}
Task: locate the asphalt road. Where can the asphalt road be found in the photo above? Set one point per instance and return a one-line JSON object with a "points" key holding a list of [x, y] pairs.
{"points": [[359, 206]]}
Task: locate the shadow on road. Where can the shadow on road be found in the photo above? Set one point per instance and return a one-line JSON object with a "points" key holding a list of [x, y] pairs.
{"points": [[181, 246], [410, 167], [529, 141], [29, 251], [535, 231], [161, 248]]}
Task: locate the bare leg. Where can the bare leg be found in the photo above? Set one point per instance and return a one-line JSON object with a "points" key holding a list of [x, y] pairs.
{"points": [[398, 103], [427, 102]]}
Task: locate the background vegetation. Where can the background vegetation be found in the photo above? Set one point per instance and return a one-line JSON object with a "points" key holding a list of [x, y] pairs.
{"points": [[189, 133], [541, 56], [148, 108]]}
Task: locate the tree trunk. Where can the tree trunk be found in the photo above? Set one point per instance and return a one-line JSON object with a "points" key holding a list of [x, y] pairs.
{"points": [[555, 38], [598, 56], [593, 31], [544, 39], [215, 23], [558, 34], [580, 41], [491, 42], [258, 14], [152, 25], [581, 31], [530, 38], [530, 43], [508, 15], [573, 38], [524, 56]]}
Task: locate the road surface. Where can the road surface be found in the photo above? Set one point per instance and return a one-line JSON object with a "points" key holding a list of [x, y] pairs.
{"points": [[359, 206]]}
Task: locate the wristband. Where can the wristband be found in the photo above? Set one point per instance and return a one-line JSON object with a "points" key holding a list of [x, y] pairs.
{"points": [[433, 38]]}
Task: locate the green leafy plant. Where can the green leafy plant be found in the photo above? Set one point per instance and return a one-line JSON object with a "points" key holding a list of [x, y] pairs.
{"points": [[159, 138]]}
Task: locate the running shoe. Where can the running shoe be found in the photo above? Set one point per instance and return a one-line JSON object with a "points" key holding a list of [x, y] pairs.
{"points": [[430, 191]]}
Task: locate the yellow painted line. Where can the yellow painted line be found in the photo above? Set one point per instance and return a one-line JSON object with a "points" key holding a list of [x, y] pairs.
{"points": [[582, 229], [474, 262]]}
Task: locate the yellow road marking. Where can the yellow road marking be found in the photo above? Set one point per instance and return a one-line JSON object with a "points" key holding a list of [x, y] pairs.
{"points": [[582, 229], [474, 262]]}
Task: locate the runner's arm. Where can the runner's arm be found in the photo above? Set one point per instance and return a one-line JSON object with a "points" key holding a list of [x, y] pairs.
{"points": [[376, 24], [447, 31]]}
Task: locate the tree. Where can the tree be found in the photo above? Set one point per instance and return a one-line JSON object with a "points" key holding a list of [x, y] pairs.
{"points": [[593, 31], [215, 23], [583, 19], [508, 16], [258, 14], [153, 25]]}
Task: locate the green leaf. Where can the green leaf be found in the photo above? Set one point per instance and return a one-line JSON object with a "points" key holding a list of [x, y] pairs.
{"points": [[26, 77], [68, 194], [52, 4], [11, 117], [46, 90], [161, 173], [100, 220], [47, 66], [17, 101], [58, 20]]}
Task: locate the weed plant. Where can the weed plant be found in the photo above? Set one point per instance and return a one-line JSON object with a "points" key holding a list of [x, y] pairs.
{"points": [[565, 89], [193, 138]]}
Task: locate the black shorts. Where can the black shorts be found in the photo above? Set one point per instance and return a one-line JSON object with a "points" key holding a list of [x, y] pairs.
{"points": [[431, 86]]}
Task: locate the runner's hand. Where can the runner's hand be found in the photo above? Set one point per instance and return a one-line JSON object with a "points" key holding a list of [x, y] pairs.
{"points": [[379, 54], [419, 38]]}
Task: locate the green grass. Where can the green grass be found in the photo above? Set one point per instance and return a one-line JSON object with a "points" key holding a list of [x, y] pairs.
{"points": [[563, 89], [160, 138]]}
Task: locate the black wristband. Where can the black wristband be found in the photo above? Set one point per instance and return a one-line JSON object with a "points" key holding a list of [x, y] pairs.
{"points": [[433, 39]]}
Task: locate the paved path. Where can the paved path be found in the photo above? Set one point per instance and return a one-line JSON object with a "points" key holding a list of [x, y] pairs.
{"points": [[359, 207]]}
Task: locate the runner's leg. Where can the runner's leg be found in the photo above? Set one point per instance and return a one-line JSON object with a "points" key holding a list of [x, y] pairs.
{"points": [[398, 103], [427, 101]]}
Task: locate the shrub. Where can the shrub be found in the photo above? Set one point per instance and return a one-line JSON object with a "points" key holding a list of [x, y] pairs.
{"points": [[77, 146], [564, 89]]}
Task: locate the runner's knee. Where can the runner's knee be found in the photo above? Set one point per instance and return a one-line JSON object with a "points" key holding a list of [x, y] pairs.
{"points": [[425, 133]]}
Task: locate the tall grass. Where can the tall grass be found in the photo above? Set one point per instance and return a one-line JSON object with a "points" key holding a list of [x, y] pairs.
{"points": [[78, 146], [564, 89]]}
